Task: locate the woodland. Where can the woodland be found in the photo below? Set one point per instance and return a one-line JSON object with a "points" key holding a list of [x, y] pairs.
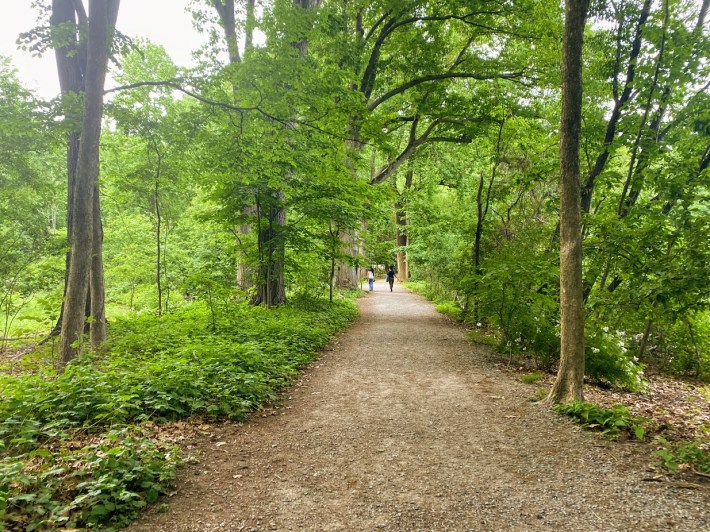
{"points": [[178, 242]]}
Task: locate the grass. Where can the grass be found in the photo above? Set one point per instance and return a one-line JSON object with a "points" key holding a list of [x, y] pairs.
{"points": [[531, 378]]}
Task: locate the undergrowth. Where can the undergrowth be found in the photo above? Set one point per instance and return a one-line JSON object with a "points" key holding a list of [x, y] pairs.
{"points": [[72, 450], [615, 421], [684, 455]]}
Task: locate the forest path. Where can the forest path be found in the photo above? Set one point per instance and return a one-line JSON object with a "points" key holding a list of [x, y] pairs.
{"points": [[401, 425]]}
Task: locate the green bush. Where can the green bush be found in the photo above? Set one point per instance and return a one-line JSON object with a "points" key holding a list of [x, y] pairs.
{"points": [[683, 348], [613, 421], [609, 363], [449, 309]]}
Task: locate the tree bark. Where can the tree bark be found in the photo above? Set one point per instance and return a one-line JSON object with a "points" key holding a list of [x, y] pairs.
{"points": [[401, 224], [225, 9], [270, 281], [71, 62], [570, 378], [97, 329], [102, 13], [158, 222]]}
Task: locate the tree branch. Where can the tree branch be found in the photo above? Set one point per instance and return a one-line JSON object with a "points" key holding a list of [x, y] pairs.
{"points": [[434, 77], [388, 169], [288, 123], [377, 24], [80, 11]]}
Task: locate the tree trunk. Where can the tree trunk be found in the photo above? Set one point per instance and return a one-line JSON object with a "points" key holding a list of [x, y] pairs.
{"points": [[570, 378], [347, 271], [158, 222], [249, 26], [334, 239], [400, 218], [401, 224], [71, 62], [270, 281], [225, 9], [101, 13], [97, 290], [227, 16]]}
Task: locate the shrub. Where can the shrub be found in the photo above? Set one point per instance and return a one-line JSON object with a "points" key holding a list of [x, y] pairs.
{"points": [[609, 363], [105, 482], [613, 421], [450, 309]]}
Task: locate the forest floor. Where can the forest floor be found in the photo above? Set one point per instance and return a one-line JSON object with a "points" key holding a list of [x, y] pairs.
{"points": [[402, 424]]}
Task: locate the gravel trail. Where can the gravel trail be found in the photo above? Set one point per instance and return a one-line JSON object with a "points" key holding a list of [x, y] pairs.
{"points": [[402, 425]]}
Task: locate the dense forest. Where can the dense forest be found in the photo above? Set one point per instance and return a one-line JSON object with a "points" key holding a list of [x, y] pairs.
{"points": [[179, 242]]}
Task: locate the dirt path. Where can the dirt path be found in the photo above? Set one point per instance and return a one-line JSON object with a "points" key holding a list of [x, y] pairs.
{"points": [[402, 426]]}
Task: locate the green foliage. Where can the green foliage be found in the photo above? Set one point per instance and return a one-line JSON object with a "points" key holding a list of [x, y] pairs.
{"points": [[675, 456], [192, 362], [30, 216], [483, 337], [614, 421], [609, 363], [450, 309], [682, 347], [540, 394], [103, 483], [531, 378]]}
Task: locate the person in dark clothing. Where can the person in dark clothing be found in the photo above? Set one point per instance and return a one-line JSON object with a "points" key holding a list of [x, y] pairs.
{"points": [[390, 277]]}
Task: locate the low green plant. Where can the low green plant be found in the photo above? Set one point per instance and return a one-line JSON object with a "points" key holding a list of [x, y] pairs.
{"points": [[531, 378], [105, 482], [450, 309], [692, 455], [540, 394], [216, 362], [478, 336], [608, 362], [614, 421]]}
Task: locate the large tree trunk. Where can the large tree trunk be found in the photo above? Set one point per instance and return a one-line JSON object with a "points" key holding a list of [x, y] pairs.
{"points": [[347, 270], [570, 378], [225, 8], [102, 13], [400, 218], [71, 62], [270, 281], [227, 15]]}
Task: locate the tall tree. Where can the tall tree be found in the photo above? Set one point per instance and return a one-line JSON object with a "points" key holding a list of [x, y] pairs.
{"points": [[227, 11], [67, 22], [86, 226], [569, 383]]}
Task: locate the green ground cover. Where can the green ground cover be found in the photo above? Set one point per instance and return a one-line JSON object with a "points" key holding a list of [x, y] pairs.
{"points": [[75, 450]]}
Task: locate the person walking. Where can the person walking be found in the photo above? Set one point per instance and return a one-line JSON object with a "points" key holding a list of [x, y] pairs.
{"points": [[390, 277], [371, 278]]}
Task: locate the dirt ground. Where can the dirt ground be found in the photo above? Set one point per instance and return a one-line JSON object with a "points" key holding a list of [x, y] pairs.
{"points": [[402, 425]]}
